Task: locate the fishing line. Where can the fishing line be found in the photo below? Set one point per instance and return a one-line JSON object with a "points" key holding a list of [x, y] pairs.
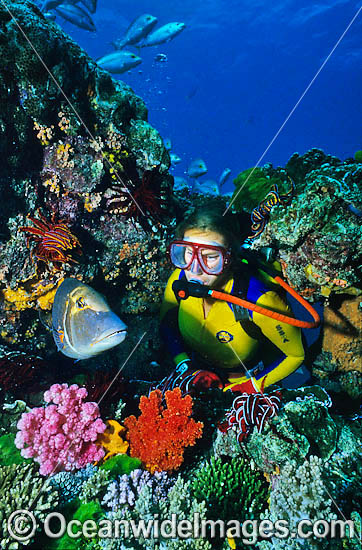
{"points": [[122, 367], [295, 106], [108, 162]]}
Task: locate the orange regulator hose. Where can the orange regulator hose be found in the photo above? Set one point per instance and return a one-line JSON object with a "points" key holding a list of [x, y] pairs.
{"points": [[274, 314]]}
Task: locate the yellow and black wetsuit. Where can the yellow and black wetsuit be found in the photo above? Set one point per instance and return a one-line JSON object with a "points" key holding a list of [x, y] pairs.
{"points": [[225, 344]]}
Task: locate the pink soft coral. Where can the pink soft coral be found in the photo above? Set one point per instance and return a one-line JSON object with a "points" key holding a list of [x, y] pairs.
{"points": [[61, 436]]}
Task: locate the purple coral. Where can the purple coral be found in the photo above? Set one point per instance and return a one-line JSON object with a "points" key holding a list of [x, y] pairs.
{"points": [[125, 492], [61, 436]]}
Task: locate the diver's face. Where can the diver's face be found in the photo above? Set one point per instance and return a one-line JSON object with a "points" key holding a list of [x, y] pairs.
{"points": [[195, 273]]}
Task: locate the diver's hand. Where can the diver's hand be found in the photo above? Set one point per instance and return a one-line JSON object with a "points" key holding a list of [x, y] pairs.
{"points": [[243, 387], [190, 380]]}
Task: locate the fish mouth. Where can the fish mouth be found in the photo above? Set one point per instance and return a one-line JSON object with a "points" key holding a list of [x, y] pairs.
{"points": [[109, 336]]}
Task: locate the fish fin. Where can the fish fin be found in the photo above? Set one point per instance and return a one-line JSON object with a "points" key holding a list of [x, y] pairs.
{"points": [[45, 317], [58, 335]]}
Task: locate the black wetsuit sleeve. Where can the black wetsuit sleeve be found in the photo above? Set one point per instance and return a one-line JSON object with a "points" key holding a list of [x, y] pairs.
{"points": [[170, 333]]}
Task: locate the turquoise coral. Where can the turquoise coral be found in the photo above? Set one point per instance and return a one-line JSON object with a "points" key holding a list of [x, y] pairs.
{"points": [[301, 492]]}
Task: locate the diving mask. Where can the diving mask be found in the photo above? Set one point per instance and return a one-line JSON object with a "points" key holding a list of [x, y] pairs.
{"points": [[212, 259]]}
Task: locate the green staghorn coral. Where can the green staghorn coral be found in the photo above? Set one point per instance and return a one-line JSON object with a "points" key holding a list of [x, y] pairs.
{"points": [[22, 488], [232, 489]]}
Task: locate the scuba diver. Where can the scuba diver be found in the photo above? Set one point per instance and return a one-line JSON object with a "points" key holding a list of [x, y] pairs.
{"points": [[214, 342]]}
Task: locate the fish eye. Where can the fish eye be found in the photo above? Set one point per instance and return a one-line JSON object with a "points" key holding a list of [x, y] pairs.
{"points": [[80, 303]]}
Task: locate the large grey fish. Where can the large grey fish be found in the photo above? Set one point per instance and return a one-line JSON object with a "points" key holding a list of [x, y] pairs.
{"points": [[196, 168], [76, 15], [163, 34], [83, 324], [119, 62], [138, 29]]}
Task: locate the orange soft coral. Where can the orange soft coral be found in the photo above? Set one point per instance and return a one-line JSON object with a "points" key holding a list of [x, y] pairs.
{"points": [[159, 435]]}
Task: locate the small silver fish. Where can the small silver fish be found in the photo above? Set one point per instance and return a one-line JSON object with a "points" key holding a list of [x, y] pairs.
{"points": [[163, 34], [224, 176], [83, 324], [119, 62], [175, 159], [76, 15], [168, 144], [138, 29], [207, 187], [196, 168]]}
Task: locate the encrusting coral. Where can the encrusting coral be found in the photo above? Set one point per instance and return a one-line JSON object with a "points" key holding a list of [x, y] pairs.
{"points": [[159, 435], [61, 436]]}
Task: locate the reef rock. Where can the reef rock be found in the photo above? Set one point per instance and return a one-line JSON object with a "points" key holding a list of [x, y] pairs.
{"points": [[319, 236], [342, 334], [91, 162]]}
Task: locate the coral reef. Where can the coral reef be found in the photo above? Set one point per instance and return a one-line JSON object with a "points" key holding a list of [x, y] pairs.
{"points": [[159, 435], [252, 186], [94, 485], [69, 484], [119, 465], [54, 241], [71, 171], [249, 411], [147, 507], [318, 237], [10, 415], [122, 494], [85, 511], [301, 492], [303, 426], [61, 436], [22, 488]]}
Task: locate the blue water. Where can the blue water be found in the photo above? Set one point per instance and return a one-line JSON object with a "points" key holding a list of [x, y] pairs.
{"points": [[236, 72]]}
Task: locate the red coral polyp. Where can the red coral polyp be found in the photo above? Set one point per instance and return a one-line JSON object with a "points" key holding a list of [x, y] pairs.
{"points": [[159, 435]]}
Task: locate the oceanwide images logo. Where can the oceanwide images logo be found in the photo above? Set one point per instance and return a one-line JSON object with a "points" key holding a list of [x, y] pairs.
{"points": [[22, 527]]}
